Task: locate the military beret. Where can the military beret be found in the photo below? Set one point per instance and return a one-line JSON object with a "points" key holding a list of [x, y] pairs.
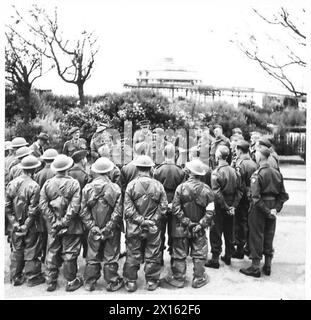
{"points": [[79, 155], [264, 142], [244, 145], [265, 151], [73, 130], [43, 136]]}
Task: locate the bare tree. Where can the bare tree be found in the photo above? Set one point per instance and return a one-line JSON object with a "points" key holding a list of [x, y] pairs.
{"points": [[23, 65], [276, 67], [73, 59]]}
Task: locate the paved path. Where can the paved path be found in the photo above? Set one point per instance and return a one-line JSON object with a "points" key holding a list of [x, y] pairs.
{"points": [[286, 281]]}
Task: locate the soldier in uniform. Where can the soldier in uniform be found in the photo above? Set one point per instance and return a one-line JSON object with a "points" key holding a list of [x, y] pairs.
{"points": [[115, 172], [78, 170], [220, 139], [144, 134], [192, 213], [130, 171], [246, 167], [60, 204], [37, 147], [238, 131], [17, 143], [273, 159], [21, 209], [255, 136], [75, 144], [233, 142], [101, 213], [170, 175], [99, 138], [46, 172], [8, 159], [15, 169], [268, 196], [40, 177], [227, 190], [145, 204], [195, 153]]}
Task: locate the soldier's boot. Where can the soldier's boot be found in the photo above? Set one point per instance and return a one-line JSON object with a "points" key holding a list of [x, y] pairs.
{"points": [[130, 285], [74, 284], [200, 282], [36, 281], [115, 285], [90, 285], [152, 284], [239, 253], [253, 270], [178, 283], [18, 280], [51, 286], [267, 266], [213, 263], [226, 260]]}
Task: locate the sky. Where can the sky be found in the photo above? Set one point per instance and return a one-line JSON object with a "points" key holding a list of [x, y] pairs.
{"points": [[135, 34]]}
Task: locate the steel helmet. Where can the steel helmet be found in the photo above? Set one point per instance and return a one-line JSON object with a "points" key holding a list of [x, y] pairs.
{"points": [[23, 152], [102, 165], [19, 142], [61, 163], [143, 161], [49, 154], [196, 167], [29, 162], [8, 145]]}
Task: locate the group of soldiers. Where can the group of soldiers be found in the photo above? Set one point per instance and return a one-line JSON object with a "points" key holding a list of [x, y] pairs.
{"points": [[55, 204]]}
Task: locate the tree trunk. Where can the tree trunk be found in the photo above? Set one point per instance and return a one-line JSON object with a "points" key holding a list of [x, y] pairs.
{"points": [[27, 106], [81, 94]]}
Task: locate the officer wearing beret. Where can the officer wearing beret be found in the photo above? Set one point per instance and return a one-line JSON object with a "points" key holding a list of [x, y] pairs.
{"points": [[191, 214], [101, 213], [75, 144], [145, 204], [21, 210], [227, 190], [245, 166], [60, 199], [100, 137], [38, 146], [268, 196]]}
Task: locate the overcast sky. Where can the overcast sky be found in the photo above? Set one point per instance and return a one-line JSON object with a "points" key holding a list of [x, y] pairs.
{"points": [[196, 34]]}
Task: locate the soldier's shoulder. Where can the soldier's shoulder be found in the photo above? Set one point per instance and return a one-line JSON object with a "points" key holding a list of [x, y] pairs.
{"points": [[115, 187]]}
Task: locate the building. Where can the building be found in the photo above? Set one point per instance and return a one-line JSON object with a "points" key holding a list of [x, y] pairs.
{"points": [[176, 82]]}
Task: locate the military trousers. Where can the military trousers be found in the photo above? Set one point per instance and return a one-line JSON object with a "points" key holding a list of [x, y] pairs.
{"points": [[241, 223], [223, 225], [145, 247], [106, 251], [261, 234], [25, 254], [197, 247], [64, 249]]}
